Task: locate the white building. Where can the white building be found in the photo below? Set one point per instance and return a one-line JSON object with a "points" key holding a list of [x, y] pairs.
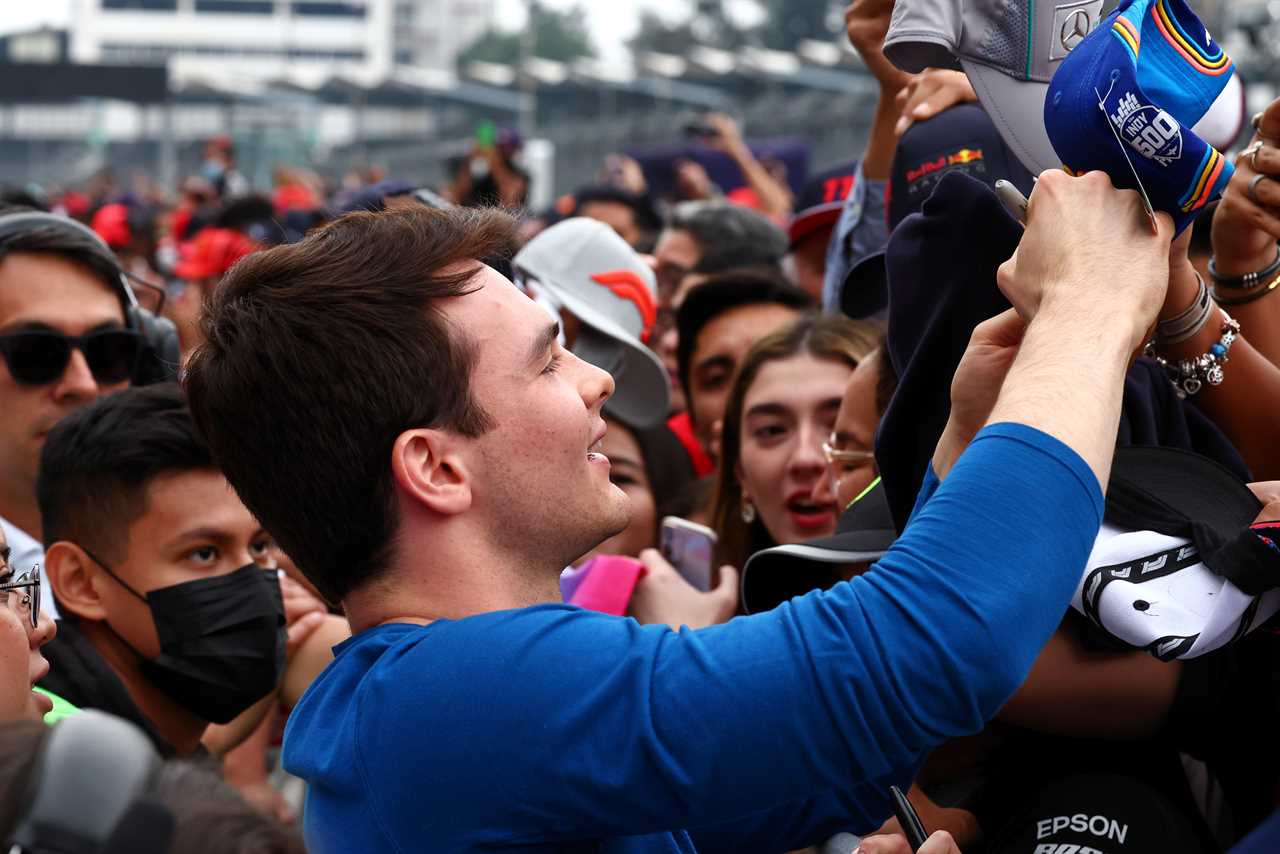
{"points": [[267, 39], [430, 33]]}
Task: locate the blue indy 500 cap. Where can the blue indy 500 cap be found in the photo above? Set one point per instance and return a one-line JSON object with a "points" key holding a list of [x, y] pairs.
{"points": [[1166, 90]]}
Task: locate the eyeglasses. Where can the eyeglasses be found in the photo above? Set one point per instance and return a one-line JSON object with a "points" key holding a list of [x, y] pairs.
{"points": [[26, 605], [38, 357], [842, 463]]}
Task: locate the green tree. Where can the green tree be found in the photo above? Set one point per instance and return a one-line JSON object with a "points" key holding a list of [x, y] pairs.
{"points": [[657, 35], [789, 22], [560, 35], [706, 24]]}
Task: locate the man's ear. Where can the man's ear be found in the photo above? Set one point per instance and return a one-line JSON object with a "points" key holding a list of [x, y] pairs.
{"points": [[429, 470], [72, 576]]}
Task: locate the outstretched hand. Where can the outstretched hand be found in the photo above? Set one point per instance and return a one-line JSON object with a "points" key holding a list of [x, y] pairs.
{"points": [[663, 596], [976, 384], [1088, 249], [867, 23], [1246, 225], [931, 92], [1268, 493]]}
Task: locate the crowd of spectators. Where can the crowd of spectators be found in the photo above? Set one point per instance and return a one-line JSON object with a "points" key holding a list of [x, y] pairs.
{"points": [[400, 518]]}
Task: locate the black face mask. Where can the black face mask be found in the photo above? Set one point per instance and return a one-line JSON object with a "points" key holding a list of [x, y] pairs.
{"points": [[222, 640]]}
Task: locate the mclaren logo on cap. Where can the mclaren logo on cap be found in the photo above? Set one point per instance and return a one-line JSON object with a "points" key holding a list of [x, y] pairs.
{"points": [[627, 285], [1071, 23]]}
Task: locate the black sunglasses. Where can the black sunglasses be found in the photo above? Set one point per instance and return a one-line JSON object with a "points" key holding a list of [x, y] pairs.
{"points": [[38, 357]]}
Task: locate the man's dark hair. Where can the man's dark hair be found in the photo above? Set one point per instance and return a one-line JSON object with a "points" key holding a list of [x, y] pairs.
{"points": [[718, 294], [65, 242], [641, 208], [97, 463], [729, 235], [318, 355]]}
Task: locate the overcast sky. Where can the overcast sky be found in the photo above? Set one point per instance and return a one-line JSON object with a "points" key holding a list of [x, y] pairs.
{"points": [[611, 22]]}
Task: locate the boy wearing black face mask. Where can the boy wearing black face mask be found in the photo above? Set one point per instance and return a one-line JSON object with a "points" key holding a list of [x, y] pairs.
{"points": [[172, 613]]}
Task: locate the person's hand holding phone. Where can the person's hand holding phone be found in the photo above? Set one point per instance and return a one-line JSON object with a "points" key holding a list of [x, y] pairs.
{"points": [[663, 596]]}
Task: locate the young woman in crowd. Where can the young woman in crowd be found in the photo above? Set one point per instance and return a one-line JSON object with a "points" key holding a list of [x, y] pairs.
{"points": [[770, 485]]}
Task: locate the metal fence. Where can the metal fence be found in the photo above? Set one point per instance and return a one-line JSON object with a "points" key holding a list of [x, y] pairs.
{"points": [[834, 126]]}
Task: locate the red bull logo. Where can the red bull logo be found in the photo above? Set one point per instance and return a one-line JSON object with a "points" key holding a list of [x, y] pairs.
{"points": [[965, 155], [956, 158]]}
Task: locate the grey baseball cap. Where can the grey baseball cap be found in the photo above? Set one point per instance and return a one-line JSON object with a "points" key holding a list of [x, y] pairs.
{"points": [[586, 268], [1009, 49]]}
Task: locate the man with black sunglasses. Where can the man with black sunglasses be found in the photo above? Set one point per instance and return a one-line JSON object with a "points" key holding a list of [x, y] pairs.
{"points": [[64, 342]]}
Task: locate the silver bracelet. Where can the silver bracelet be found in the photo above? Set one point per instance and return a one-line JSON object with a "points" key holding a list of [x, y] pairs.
{"points": [[1186, 325], [1190, 375]]}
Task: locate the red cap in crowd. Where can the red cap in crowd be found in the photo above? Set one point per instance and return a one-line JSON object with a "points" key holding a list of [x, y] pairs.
{"points": [[111, 222], [212, 253]]}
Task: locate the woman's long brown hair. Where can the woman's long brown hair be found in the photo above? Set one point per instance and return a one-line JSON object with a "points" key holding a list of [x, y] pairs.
{"points": [[823, 336]]}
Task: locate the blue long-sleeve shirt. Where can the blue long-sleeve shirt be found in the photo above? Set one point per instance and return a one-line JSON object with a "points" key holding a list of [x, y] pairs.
{"points": [[557, 729]]}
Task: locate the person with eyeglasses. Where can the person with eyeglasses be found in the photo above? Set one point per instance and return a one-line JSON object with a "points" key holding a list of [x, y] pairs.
{"points": [[850, 449], [64, 342], [23, 631]]}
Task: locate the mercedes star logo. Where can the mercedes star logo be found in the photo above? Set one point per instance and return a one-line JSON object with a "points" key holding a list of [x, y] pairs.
{"points": [[1075, 28]]}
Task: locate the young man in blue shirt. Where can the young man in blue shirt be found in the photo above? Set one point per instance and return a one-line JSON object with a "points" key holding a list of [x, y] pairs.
{"points": [[404, 422]]}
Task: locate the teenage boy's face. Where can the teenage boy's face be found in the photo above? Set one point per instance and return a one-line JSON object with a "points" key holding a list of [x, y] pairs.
{"points": [[194, 527], [721, 345], [535, 473]]}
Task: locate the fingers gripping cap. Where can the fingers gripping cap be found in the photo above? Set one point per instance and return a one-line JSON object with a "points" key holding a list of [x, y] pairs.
{"points": [[1163, 85]]}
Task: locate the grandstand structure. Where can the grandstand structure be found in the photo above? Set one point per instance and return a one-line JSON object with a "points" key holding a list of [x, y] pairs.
{"points": [[415, 113]]}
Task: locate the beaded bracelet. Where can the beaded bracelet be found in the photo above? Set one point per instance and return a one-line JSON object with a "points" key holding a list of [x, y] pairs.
{"points": [[1248, 280], [1190, 375]]}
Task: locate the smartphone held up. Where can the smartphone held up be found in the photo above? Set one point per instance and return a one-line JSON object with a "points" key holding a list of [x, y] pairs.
{"points": [[688, 547]]}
